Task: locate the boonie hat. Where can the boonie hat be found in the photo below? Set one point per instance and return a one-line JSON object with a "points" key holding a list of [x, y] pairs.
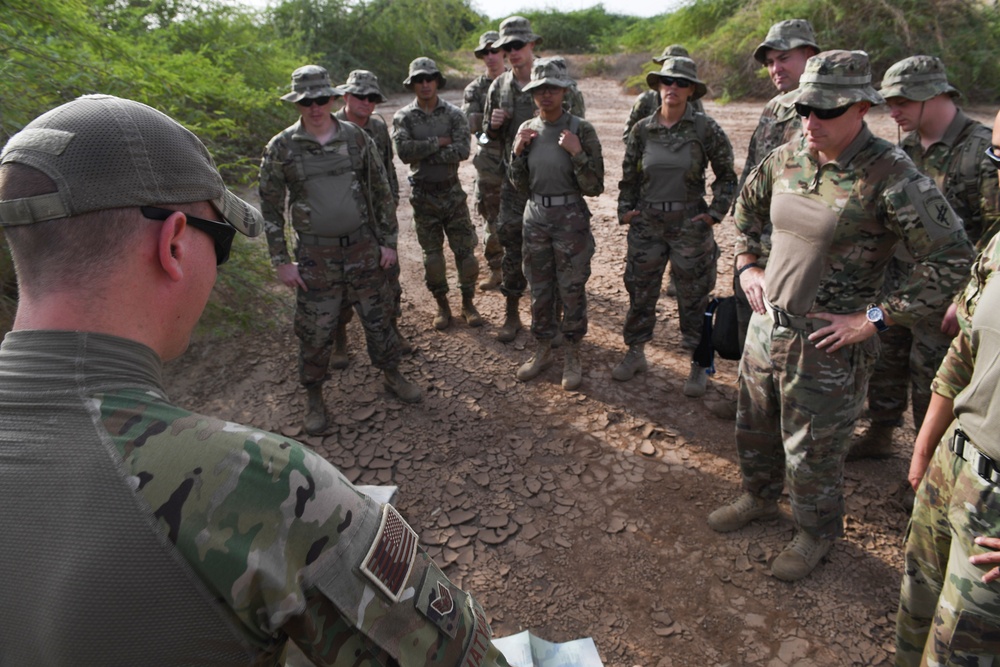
{"points": [[105, 152], [917, 78], [424, 66], [361, 82], [516, 29], [311, 81], [549, 72], [678, 67], [785, 36], [834, 79], [672, 50], [486, 41]]}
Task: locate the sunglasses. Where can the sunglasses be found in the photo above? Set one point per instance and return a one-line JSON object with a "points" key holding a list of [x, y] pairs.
{"points": [[309, 101], [513, 46], [547, 90], [423, 78], [991, 153], [374, 98], [671, 81], [823, 114], [222, 234], [491, 51]]}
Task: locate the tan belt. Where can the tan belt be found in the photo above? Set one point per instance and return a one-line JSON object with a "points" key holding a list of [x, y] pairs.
{"points": [[555, 200], [782, 318]]}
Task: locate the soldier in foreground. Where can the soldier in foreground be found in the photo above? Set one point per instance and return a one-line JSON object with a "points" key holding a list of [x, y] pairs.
{"points": [[136, 532]]}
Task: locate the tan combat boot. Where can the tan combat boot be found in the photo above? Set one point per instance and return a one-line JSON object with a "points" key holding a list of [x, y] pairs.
{"points": [[338, 359], [634, 362], [469, 312], [876, 443], [406, 391], [742, 511], [512, 321], [541, 360], [315, 421], [572, 376], [405, 347], [800, 557], [697, 382], [443, 318], [492, 281]]}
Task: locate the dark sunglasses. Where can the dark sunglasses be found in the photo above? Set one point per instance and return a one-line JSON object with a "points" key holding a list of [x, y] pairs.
{"points": [[491, 51], [423, 78], [671, 81], [222, 234], [991, 153], [823, 114], [513, 46], [374, 98], [309, 101]]}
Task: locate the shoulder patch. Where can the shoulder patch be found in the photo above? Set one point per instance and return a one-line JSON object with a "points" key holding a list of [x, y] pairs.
{"points": [[440, 601], [390, 558], [936, 215]]}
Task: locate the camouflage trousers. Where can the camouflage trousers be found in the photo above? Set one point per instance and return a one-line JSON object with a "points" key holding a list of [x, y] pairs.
{"points": [[435, 216], [795, 415], [488, 208], [334, 275], [392, 277], [947, 615], [653, 238], [557, 250], [510, 224]]}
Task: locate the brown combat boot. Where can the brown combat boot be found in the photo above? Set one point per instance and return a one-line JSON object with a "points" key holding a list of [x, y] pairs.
{"points": [[405, 347], [572, 376], [406, 391], [742, 511], [538, 362], [443, 318], [512, 321], [800, 557], [339, 359], [492, 281], [315, 421], [634, 362], [876, 443], [469, 312]]}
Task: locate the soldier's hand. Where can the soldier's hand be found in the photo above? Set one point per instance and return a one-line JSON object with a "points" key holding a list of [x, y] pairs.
{"points": [[752, 282], [388, 257], [706, 218], [570, 142], [991, 558], [498, 117], [289, 275], [630, 216], [949, 323], [842, 330], [523, 139], [444, 141]]}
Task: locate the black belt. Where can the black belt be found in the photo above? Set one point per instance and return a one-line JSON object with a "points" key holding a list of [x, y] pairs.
{"points": [[964, 449], [342, 241], [668, 206], [555, 200], [435, 186]]}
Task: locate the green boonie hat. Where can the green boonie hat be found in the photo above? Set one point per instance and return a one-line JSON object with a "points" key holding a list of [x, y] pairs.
{"points": [[549, 72], [834, 79], [672, 50], [678, 67], [424, 66], [362, 82], [516, 29], [311, 81], [785, 36], [105, 152], [486, 42], [917, 78]]}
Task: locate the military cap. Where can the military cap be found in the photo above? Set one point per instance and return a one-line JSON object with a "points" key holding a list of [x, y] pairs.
{"points": [[361, 82], [516, 29], [785, 36], [486, 41], [424, 66], [834, 79], [917, 78], [549, 72], [678, 67], [311, 81], [105, 152], [672, 50]]}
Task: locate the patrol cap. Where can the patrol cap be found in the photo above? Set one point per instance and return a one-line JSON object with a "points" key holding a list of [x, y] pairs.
{"points": [[516, 29], [678, 67], [549, 72], [672, 50], [105, 152], [917, 78], [361, 82], [785, 36], [834, 79], [486, 41], [424, 66], [311, 81]]}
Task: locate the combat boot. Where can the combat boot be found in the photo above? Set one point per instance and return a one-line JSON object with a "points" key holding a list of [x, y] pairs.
{"points": [[469, 312], [338, 359], [492, 281], [315, 421], [541, 360], [697, 382], [443, 318], [405, 347], [634, 362], [572, 373], [876, 443], [800, 557], [406, 391], [742, 511], [512, 321]]}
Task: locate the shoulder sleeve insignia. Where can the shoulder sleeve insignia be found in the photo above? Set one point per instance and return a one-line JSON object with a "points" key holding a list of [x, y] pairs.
{"points": [[936, 215], [391, 555]]}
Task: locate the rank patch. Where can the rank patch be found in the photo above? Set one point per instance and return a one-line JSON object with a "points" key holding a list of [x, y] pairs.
{"points": [[392, 553], [440, 601]]}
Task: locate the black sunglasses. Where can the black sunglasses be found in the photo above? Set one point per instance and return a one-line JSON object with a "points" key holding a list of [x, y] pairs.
{"points": [[823, 114], [423, 78], [222, 234], [491, 51], [309, 101], [374, 98], [671, 81], [513, 46], [991, 153]]}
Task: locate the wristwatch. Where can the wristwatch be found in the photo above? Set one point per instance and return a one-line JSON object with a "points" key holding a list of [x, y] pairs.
{"points": [[876, 317]]}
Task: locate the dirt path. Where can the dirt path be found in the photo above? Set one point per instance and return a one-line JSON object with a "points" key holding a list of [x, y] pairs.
{"points": [[583, 514]]}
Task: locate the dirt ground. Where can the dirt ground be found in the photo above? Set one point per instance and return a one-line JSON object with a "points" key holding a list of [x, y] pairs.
{"points": [[578, 514]]}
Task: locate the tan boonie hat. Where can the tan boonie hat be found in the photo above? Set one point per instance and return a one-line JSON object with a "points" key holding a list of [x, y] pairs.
{"points": [[672, 50], [917, 78], [549, 72], [486, 41], [311, 81], [785, 36], [424, 66], [678, 67], [516, 29], [105, 152], [361, 82], [835, 79]]}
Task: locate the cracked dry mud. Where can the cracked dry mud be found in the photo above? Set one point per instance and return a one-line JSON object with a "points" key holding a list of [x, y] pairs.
{"points": [[582, 513]]}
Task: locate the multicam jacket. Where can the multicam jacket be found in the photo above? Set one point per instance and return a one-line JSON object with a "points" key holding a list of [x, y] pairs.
{"points": [[282, 174], [474, 102], [778, 125], [837, 226], [714, 149], [587, 166], [379, 132], [648, 103], [415, 134]]}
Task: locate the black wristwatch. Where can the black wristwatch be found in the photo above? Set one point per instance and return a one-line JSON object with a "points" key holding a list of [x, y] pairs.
{"points": [[876, 316]]}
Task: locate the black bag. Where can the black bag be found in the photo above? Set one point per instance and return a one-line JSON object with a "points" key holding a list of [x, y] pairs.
{"points": [[720, 333]]}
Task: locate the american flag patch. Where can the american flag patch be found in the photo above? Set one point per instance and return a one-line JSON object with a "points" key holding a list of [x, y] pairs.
{"points": [[391, 556]]}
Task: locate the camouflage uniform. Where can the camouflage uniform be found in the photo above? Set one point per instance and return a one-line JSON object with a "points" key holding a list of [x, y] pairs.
{"points": [[255, 529], [648, 103], [334, 269], [947, 615], [489, 177]]}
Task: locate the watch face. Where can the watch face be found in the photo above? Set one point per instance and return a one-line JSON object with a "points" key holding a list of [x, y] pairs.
{"points": [[874, 314]]}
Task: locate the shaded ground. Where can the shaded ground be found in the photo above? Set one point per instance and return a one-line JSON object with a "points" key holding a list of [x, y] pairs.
{"points": [[582, 514]]}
